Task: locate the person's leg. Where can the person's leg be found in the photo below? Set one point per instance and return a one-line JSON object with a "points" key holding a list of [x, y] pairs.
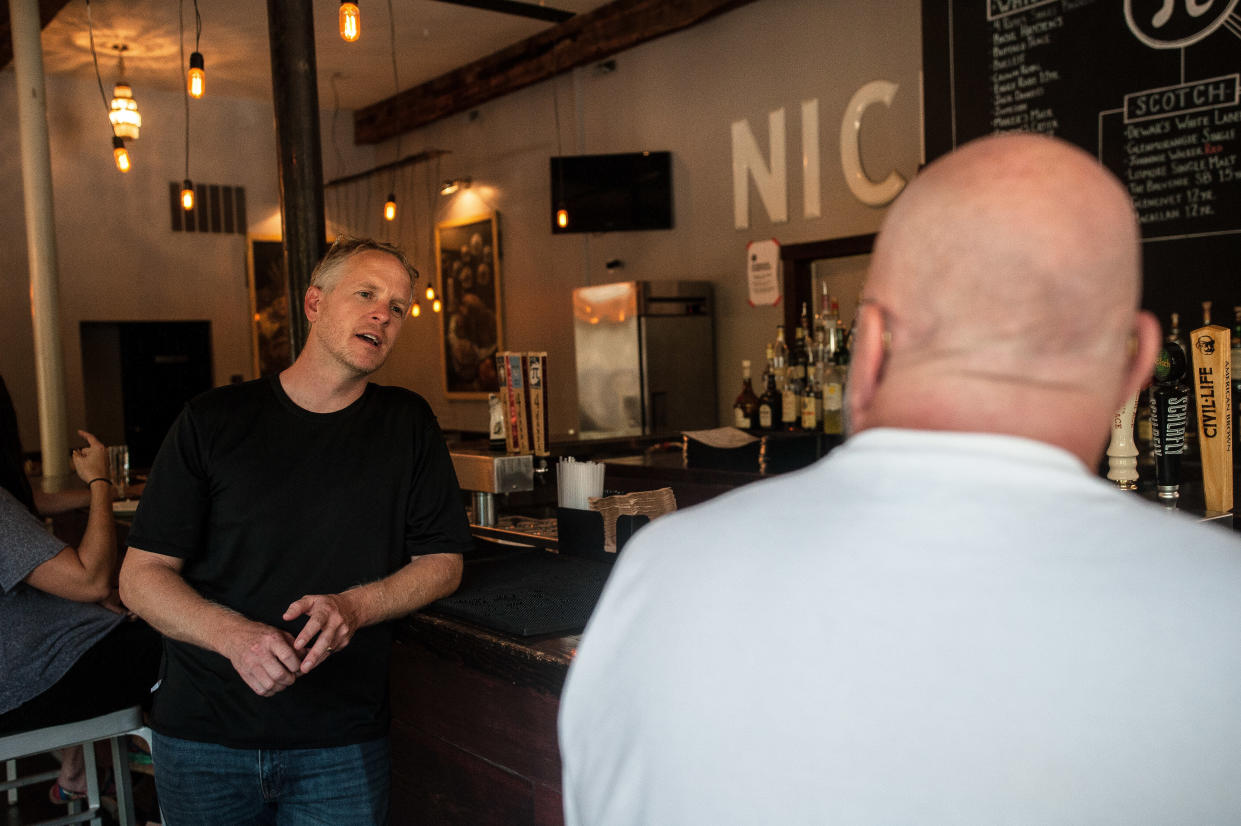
{"points": [[204, 784], [348, 784], [116, 672]]}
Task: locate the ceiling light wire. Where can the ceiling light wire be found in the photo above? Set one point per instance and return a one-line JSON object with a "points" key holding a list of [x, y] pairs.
{"points": [[185, 92], [90, 29], [396, 84]]}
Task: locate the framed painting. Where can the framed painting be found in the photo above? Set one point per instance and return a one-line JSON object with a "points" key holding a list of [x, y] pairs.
{"points": [[269, 307], [468, 260]]}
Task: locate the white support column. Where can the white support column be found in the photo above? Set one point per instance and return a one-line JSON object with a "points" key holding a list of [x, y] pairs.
{"points": [[40, 239]]}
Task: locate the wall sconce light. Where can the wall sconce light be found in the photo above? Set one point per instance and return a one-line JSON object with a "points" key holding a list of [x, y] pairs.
{"points": [[451, 186], [187, 195], [390, 208], [120, 153], [350, 21], [197, 78]]}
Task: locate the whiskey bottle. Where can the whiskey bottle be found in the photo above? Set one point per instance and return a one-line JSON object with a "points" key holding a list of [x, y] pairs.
{"points": [[810, 400], [769, 404], [794, 384], [745, 408], [780, 358], [833, 400]]}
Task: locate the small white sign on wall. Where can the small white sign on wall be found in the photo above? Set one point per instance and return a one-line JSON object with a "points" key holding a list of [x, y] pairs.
{"points": [[763, 272]]}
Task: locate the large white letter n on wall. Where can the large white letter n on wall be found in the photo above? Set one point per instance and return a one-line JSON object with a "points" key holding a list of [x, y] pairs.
{"points": [[771, 180]]}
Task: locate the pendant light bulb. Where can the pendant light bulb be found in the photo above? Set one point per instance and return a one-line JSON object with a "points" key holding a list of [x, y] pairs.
{"points": [[562, 217], [123, 112], [430, 293], [436, 306], [187, 195], [415, 310], [350, 21], [197, 78], [120, 153], [390, 208]]}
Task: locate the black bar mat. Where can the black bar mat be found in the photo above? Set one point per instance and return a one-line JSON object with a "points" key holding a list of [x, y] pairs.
{"points": [[527, 593]]}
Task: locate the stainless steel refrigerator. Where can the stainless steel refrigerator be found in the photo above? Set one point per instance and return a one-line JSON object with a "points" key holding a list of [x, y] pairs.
{"points": [[645, 357]]}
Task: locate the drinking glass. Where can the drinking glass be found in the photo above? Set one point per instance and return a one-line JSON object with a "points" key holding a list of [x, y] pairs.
{"points": [[118, 469]]}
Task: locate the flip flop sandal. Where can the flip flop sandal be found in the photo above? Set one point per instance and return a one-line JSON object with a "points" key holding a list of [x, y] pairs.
{"points": [[61, 796]]}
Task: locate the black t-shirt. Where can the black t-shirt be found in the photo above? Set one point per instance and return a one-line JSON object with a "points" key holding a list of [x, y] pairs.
{"points": [[267, 502]]}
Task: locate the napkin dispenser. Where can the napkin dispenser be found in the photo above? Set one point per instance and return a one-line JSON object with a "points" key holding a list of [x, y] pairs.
{"points": [[580, 533]]}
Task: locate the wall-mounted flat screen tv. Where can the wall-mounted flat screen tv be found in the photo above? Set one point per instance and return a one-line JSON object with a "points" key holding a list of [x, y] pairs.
{"points": [[611, 193]]}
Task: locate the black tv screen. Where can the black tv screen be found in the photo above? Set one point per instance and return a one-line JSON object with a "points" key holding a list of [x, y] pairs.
{"points": [[610, 193]]}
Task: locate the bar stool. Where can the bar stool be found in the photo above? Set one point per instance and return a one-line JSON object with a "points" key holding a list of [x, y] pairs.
{"points": [[114, 727]]}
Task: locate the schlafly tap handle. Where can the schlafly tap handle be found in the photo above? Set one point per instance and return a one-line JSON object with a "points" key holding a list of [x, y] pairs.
{"points": [[1122, 453], [1169, 406], [1212, 384]]}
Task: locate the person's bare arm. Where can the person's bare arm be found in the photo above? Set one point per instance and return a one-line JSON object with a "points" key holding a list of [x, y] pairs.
{"points": [[333, 619], [153, 588], [84, 573]]}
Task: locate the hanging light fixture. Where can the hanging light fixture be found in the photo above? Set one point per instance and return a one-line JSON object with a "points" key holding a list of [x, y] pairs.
{"points": [[120, 153], [187, 186], [436, 306], [562, 217], [415, 310], [390, 207], [126, 120], [197, 77], [350, 21]]}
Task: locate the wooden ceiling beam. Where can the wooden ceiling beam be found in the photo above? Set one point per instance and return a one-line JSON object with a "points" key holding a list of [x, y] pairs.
{"points": [[47, 10], [584, 39]]}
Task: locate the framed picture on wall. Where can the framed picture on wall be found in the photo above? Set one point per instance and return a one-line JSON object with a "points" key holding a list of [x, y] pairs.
{"points": [[468, 260], [269, 307]]}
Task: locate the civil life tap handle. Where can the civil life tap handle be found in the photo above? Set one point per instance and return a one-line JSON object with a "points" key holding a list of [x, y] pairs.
{"points": [[1212, 383], [1169, 407], [1122, 453]]}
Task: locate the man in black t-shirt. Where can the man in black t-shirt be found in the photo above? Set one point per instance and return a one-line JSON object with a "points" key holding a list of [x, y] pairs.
{"points": [[285, 522]]}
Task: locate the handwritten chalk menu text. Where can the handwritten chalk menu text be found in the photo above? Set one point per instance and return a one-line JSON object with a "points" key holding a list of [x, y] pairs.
{"points": [[1150, 87]]}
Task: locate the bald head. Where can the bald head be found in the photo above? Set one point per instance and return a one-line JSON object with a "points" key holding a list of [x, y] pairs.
{"points": [[1006, 280]]}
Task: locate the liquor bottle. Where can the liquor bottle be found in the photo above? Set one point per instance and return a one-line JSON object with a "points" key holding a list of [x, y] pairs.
{"points": [[811, 402], [769, 404], [831, 328], [745, 408], [846, 340], [833, 400], [825, 308], [794, 383], [780, 358], [1174, 334]]}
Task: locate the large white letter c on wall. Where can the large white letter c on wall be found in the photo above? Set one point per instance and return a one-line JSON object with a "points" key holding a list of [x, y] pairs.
{"points": [[869, 192]]}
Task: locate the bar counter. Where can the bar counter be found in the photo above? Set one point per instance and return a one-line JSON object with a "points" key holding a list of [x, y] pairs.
{"points": [[474, 724]]}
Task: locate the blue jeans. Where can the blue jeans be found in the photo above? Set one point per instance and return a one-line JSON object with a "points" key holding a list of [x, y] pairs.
{"points": [[209, 784]]}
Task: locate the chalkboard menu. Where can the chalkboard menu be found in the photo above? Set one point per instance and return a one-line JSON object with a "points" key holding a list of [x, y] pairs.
{"points": [[1151, 87]]}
